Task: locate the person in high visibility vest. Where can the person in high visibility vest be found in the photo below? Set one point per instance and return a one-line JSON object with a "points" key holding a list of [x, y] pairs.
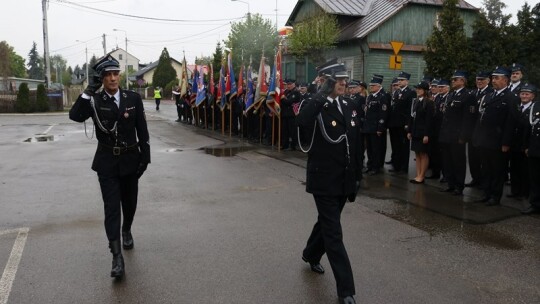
{"points": [[157, 97]]}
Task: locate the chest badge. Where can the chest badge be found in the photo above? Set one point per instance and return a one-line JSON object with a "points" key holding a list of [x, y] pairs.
{"points": [[352, 123], [334, 123], [354, 113], [126, 115]]}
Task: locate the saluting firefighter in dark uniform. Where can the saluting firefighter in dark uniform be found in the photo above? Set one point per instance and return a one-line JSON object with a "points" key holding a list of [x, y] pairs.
{"points": [[532, 150], [374, 124], [397, 121], [475, 157], [333, 174], [122, 154], [288, 125], [519, 164], [493, 134]]}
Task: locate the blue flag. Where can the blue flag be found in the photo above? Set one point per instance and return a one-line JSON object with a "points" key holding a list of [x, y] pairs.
{"points": [[201, 90], [250, 94], [222, 89]]}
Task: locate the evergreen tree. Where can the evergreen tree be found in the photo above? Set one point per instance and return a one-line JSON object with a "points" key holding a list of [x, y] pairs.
{"points": [[525, 29], [248, 38], [533, 69], [447, 48], [165, 72], [35, 64], [486, 48], [42, 101], [22, 103], [217, 60]]}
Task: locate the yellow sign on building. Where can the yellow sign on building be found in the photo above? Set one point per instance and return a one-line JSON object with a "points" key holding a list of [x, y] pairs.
{"points": [[395, 62]]}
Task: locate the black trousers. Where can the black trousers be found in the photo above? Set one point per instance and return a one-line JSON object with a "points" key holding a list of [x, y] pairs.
{"points": [[327, 237], [435, 158], [455, 164], [493, 171], [400, 148], [288, 132], [119, 197], [179, 110], [519, 174], [158, 100], [374, 147], [474, 162], [534, 171]]}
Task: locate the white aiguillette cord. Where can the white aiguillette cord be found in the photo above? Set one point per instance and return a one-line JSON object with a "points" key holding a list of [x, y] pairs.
{"points": [[324, 134]]}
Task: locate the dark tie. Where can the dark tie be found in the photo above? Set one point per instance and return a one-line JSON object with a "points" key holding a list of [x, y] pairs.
{"points": [[521, 108]]}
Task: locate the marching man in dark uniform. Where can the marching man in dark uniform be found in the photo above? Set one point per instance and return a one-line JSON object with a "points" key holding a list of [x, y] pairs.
{"points": [[122, 154], [493, 134], [398, 119], [482, 89], [455, 131], [532, 150], [374, 124], [333, 175]]}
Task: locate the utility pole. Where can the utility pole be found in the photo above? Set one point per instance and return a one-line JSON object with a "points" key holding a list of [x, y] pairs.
{"points": [[104, 45], [46, 45]]}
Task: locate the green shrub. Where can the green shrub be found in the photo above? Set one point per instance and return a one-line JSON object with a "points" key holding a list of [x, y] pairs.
{"points": [[42, 101], [22, 104]]}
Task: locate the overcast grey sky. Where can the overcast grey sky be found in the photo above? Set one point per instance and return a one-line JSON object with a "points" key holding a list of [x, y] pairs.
{"points": [[22, 23]]}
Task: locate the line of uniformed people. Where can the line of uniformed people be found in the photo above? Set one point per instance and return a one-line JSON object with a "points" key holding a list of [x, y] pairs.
{"points": [[490, 124]]}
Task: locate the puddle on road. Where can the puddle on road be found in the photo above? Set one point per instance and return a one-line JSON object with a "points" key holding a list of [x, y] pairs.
{"points": [[40, 138], [436, 224], [226, 151], [174, 150]]}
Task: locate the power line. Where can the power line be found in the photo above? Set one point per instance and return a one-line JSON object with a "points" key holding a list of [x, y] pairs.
{"points": [[143, 17]]}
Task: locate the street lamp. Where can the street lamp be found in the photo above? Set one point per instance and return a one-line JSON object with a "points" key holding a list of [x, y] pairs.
{"points": [[245, 3], [126, 67], [86, 52]]}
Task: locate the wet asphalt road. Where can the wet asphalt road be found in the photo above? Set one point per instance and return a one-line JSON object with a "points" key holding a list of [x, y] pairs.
{"points": [[231, 229]]}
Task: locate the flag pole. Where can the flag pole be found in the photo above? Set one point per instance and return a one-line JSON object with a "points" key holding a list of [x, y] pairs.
{"points": [[260, 127], [273, 127]]}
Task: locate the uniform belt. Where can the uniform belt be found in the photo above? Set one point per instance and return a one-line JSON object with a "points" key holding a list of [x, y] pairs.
{"points": [[118, 150]]}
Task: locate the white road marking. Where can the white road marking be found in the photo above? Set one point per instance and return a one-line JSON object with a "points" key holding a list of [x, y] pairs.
{"points": [[13, 263], [47, 131]]}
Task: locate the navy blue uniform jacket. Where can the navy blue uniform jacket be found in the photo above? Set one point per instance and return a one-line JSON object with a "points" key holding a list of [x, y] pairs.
{"points": [[132, 130], [329, 172]]}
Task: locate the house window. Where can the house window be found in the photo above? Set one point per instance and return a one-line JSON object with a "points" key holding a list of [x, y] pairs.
{"points": [[349, 64], [120, 56], [301, 72]]}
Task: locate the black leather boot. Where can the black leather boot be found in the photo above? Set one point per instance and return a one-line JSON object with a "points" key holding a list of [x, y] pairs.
{"points": [[127, 240], [117, 270]]}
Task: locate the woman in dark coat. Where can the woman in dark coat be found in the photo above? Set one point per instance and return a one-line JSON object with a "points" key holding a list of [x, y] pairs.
{"points": [[419, 128]]}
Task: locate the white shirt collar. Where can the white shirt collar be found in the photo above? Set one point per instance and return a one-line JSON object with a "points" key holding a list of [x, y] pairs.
{"points": [[116, 97]]}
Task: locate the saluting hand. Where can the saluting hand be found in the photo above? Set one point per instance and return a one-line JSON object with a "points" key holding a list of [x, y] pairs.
{"points": [[425, 140]]}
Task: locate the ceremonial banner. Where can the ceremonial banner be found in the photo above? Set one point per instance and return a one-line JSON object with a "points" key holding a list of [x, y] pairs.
{"points": [[201, 90], [250, 94], [184, 81], [262, 87], [231, 81], [275, 90]]}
